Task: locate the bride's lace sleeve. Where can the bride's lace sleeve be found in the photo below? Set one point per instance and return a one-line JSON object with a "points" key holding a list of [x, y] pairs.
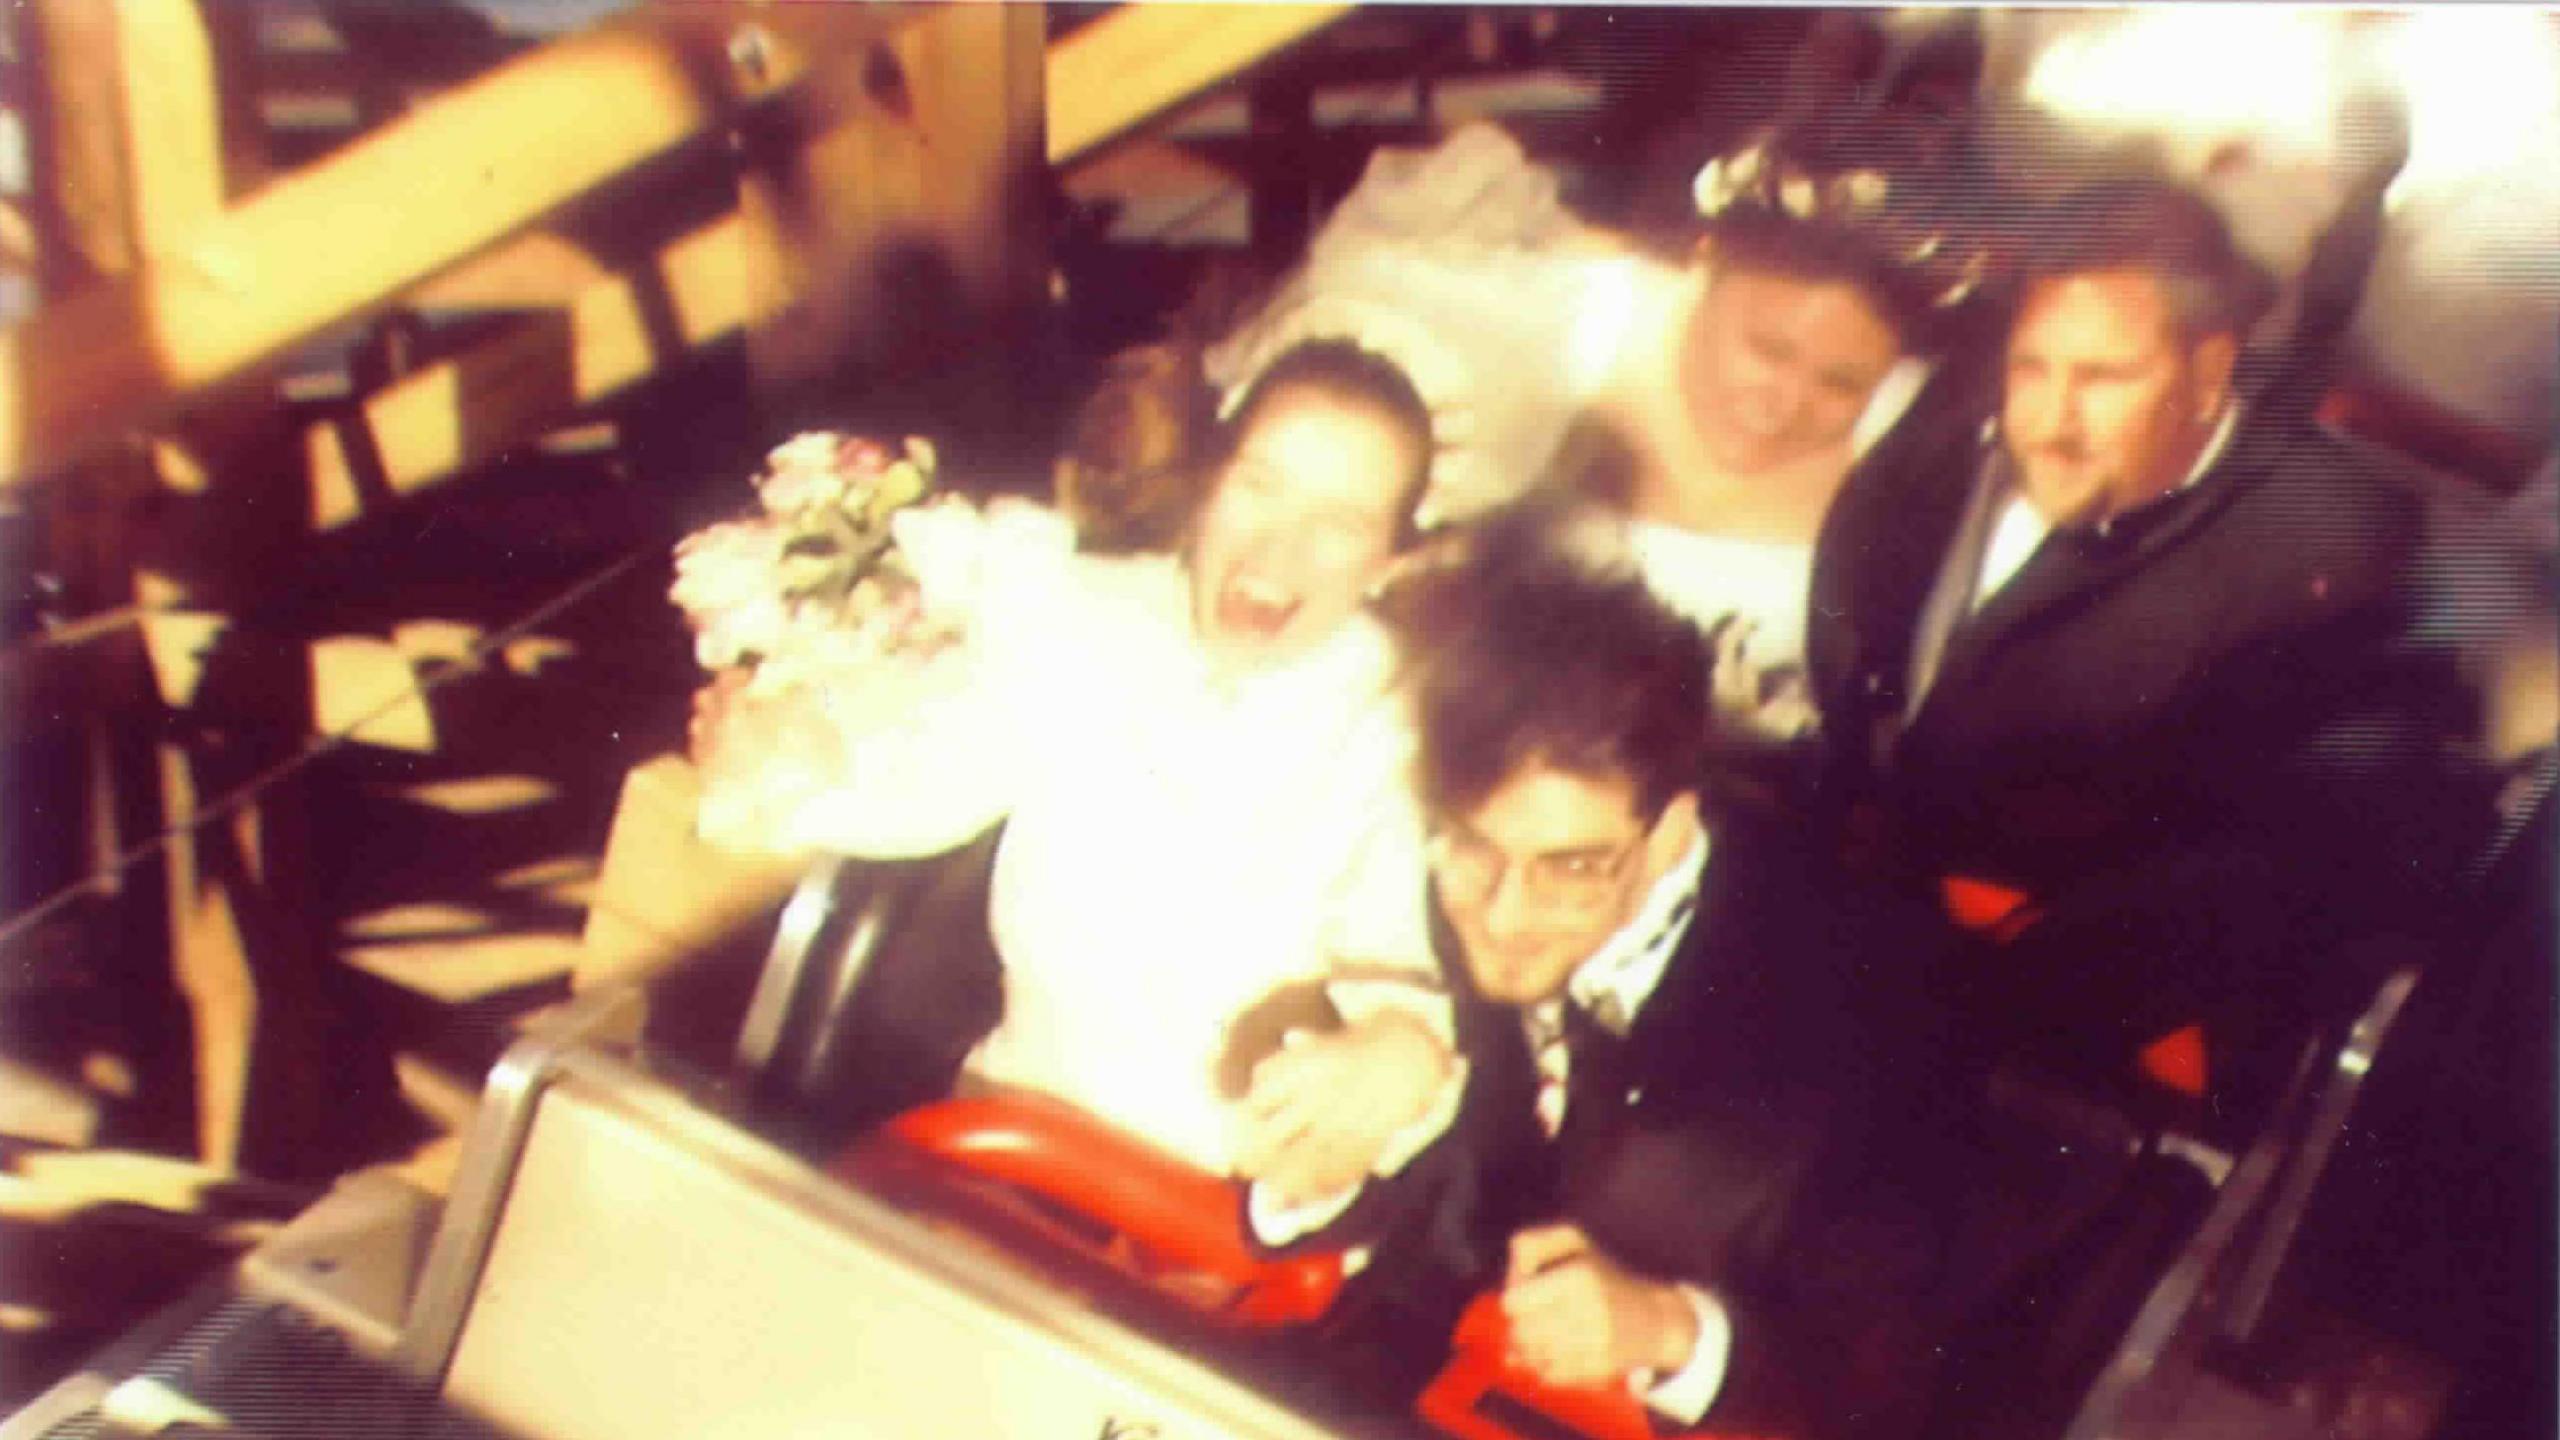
{"points": [[919, 750]]}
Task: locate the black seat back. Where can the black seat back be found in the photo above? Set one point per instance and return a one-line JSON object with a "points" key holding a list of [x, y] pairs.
{"points": [[881, 976]]}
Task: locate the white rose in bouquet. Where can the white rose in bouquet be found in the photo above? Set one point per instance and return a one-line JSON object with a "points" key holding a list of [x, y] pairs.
{"points": [[725, 584], [807, 608]]}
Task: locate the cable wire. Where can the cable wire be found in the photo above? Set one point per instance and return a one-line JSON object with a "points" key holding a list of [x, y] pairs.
{"points": [[108, 879]]}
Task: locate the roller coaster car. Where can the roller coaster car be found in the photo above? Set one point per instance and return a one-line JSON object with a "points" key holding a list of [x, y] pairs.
{"points": [[628, 1249], [2158, 1251]]}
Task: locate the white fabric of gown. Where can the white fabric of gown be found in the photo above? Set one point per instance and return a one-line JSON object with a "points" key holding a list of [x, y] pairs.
{"points": [[1177, 845], [1756, 591], [1460, 264], [1513, 318]]}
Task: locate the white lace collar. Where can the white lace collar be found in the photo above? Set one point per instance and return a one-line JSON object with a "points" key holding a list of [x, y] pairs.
{"points": [[1614, 984]]}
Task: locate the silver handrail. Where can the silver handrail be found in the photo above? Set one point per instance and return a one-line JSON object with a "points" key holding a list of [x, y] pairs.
{"points": [[2245, 1303], [785, 961], [487, 1168], [2151, 1342], [2271, 1185]]}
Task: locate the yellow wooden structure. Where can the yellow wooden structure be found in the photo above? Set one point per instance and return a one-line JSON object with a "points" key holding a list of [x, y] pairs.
{"points": [[150, 373]]}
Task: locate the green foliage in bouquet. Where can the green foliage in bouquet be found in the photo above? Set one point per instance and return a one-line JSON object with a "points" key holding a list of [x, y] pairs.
{"points": [[817, 573]]}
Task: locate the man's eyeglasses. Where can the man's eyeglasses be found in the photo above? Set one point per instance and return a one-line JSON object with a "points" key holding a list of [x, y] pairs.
{"points": [[1471, 868]]}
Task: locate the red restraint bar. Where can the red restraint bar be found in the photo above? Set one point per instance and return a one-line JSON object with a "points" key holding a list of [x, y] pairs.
{"points": [[2000, 913], [1182, 1216], [1173, 1211]]}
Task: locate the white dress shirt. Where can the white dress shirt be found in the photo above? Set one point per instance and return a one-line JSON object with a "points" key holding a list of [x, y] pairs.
{"points": [[1613, 986], [2019, 527]]}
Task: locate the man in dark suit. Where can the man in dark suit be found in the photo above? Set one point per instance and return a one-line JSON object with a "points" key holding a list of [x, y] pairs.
{"points": [[1694, 1092], [2128, 670]]}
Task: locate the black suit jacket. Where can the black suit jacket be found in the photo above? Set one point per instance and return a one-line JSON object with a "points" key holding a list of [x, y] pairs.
{"points": [[1765, 1128], [2202, 741]]}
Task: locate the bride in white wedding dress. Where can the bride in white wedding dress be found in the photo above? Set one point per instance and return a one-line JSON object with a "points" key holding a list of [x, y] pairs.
{"points": [[1730, 390]]}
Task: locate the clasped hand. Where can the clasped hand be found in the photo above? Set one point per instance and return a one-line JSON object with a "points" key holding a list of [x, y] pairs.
{"points": [[1580, 1318], [1321, 1112]]}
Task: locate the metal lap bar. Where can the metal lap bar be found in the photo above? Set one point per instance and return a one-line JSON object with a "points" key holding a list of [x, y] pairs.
{"points": [[861, 942], [2271, 1185], [815, 949], [484, 1173], [2211, 1161], [2149, 1341], [785, 962], [2247, 1299]]}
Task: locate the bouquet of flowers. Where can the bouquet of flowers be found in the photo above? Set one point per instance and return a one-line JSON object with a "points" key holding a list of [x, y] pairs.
{"points": [[807, 613], [813, 583]]}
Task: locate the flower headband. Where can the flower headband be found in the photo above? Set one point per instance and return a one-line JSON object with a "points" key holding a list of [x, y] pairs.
{"points": [[1861, 202]]}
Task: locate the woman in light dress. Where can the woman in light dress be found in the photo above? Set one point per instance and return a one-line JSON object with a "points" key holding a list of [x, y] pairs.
{"points": [[1732, 390], [1195, 754]]}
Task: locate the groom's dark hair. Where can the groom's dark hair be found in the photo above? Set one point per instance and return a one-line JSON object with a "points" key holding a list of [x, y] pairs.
{"points": [[1530, 649]]}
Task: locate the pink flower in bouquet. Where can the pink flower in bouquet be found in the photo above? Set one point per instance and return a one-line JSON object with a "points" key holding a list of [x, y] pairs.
{"points": [[862, 457], [786, 492], [819, 471], [814, 581]]}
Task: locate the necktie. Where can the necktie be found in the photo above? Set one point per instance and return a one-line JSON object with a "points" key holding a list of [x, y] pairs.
{"points": [[1556, 1031], [1554, 1056]]}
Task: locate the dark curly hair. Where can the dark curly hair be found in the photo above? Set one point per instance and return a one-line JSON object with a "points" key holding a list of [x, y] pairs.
{"points": [[1857, 197], [1522, 651], [2145, 222], [1830, 253], [1142, 453]]}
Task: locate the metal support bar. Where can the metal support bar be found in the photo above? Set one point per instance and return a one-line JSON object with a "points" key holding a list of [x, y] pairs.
{"points": [[2246, 1302], [794, 937]]}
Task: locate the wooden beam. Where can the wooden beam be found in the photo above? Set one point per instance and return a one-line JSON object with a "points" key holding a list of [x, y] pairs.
{"points": [[979, 77], [1146, 169], [136, 124], [269, 1077], [430, 426], [364, 688], [325, 243], [51, 681], [1551, 139], [535, 270], [370, 688], [87, 144], [1142, 59], [209, 952], [900, 210], [172, 121]]}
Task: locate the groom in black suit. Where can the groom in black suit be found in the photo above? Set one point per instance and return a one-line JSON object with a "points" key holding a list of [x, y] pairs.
{"points": [[2136, 663], [1695, 1094]]}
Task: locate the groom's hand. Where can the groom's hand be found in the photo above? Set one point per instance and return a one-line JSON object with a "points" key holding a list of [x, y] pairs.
{"points": [[1321, 1113]]}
